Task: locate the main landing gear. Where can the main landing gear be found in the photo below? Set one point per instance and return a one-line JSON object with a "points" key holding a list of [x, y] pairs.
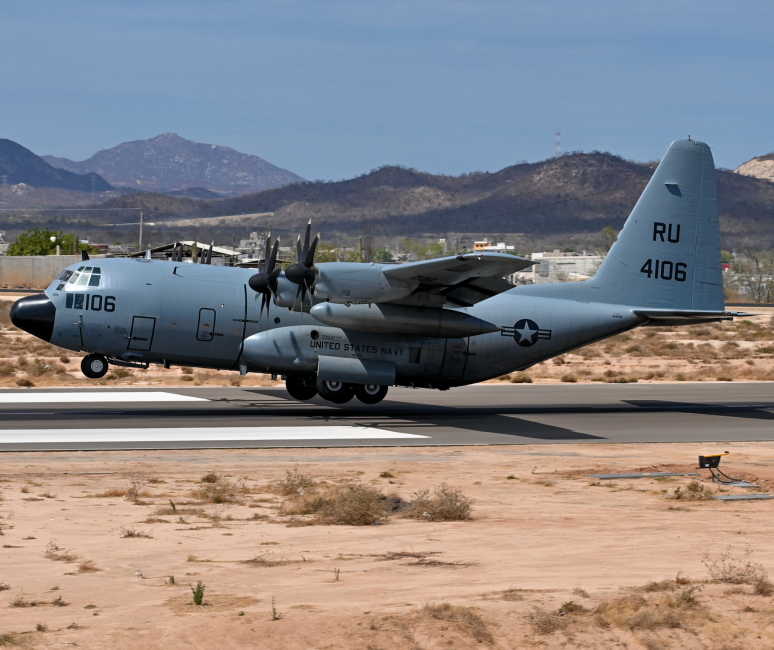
{"points": [[94, 366], [305, 388]]}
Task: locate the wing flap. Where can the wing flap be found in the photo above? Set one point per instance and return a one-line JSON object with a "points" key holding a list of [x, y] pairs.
{"points": [[450, 271]]}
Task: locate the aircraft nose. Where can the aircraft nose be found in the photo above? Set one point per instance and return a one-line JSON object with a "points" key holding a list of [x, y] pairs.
{"points": [[34, 314]]}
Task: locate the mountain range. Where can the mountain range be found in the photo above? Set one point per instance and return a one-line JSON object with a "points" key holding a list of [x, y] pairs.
{"points": [[570, 198], [20, 165], [169, 163]]}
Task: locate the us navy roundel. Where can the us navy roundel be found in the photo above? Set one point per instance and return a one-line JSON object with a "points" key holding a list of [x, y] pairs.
{"points": [[526, 332]]}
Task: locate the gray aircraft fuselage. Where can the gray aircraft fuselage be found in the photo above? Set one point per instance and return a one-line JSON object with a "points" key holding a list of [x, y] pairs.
{"points": [[151, 311]]}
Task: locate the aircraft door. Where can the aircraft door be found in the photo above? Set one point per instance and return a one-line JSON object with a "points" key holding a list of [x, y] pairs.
{"points": [[454, 359], [206, 329], [141, 336]]}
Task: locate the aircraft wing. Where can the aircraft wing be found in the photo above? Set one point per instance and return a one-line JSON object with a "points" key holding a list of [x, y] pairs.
{"points": [[463, 279]]}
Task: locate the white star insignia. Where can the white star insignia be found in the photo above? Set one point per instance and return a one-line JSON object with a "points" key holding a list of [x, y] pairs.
{"points": [[526, 333]]}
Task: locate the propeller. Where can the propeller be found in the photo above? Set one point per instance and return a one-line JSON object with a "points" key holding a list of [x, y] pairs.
{"points": [[265, 281], [303, 272]]}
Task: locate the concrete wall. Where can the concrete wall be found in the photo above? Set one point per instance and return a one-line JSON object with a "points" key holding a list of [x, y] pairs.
{"points": [[34, 271]]}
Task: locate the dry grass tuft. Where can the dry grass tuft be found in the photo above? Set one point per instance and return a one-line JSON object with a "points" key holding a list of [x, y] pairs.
{"points": [[633, 611], [445, 504], [694, 491], [735, 570], [53, 552], [346, 505], [544, 622], [88, 566], [466, 620], [123, 531], [296, 483], [219, 489]]}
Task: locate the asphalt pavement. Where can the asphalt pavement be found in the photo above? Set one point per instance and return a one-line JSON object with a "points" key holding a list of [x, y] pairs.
{"points": [[202, 418]]}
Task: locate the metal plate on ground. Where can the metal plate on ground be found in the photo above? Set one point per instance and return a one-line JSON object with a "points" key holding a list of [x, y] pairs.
{"points": [[640, 475], [744, 497]]}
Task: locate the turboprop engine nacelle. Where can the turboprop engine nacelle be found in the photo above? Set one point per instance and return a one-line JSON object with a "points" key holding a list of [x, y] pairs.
{"points": [[402, 319], [357, 284]]}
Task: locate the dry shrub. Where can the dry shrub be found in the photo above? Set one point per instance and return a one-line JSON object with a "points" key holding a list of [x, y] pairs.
{"points": [[633, 611], [53, 552], [88, 566], [521, 378], [222, 490], [694, 491], [465, 619], [346, 505], [25, 383], [544, 622], [735, 570], [212, 477], [112, 493], [763, 587], [569, 378], [445, 504], [6, 370], [296, 483], [186, 371], [123, 531], [64, 358]]}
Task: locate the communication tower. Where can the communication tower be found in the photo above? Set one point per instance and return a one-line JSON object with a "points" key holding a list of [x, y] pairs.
{"points": [[558, 145]]}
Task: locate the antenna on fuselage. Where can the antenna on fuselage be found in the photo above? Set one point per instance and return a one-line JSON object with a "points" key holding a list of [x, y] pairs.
{"points": [[147, 254], [84, 255]]}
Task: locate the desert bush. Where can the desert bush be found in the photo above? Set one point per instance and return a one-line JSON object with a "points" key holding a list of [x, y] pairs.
{"points": [[198, 593], [88, 566], [544, 622], [186, 371], [25, 383], [464, 618], [123, 531], [6, 369], [569, 378], [296, 483], [521, 378], [348, 505], [694, 491], [222, 490], [735, 570], [122, 373], [763, 587], [211, 477], [633, 611], [445, 504], [64, 358]]}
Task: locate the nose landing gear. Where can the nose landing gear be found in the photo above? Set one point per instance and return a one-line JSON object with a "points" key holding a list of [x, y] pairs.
{"points": [[94, 366]]}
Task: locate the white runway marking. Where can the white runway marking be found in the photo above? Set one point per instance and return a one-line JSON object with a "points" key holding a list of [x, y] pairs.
{"points": [[32, 436], [88, 397]]}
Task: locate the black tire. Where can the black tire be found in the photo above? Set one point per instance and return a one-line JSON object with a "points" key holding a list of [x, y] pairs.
{"points": [[370, 393], [300, 388], [94, 366], [335, 391]]}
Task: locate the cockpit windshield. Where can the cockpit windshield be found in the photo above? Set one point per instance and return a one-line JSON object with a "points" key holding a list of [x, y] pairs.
{"points": [[88, 276]]}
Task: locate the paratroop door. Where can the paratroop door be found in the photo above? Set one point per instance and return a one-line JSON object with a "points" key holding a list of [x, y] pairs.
{"points": [[141, 335]]}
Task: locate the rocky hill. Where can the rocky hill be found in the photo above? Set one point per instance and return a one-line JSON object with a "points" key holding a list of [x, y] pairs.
{"points": [[20, 166], [169, 163], [574, 196], [760, 167]]}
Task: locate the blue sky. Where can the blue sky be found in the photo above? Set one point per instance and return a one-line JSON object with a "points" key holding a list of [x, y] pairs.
{"points": [[333, 89]]}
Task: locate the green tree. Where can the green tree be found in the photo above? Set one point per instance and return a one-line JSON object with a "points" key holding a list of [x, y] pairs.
{"points": [[38, 242], [610, 236]]}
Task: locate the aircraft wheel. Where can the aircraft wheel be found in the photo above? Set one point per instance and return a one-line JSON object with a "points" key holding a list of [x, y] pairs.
{"points": [[94, 366], [370, 393], [335, 391], [300, 389]]}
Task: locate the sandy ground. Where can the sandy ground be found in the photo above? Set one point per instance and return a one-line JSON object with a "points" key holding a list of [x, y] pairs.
{"points": [[542, 537]]}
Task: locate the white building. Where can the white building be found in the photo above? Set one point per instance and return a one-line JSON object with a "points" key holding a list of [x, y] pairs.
{"points": [[487, 246], [559, 266]]}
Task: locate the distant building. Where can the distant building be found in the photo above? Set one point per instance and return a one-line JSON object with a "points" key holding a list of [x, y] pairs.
{"points": [[489, 247], [3, 244], [559, 266]]}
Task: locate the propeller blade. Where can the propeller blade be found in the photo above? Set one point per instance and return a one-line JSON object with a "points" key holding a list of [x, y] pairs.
{"points": [[299, 251], [307, 236], [309, 261]]}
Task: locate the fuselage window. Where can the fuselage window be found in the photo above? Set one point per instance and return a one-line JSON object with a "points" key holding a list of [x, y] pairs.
{"points": [[94, 280], [88, 277], [65, 276], [73, 278], [75, 301]]}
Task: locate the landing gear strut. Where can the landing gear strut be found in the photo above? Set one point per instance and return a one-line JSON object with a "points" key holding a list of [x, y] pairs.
{"points": [[300, 388], [94, 366], [335, 391], [370, 393]]}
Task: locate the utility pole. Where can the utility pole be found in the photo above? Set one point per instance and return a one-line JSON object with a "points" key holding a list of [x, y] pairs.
{"points": [[139, 248]]}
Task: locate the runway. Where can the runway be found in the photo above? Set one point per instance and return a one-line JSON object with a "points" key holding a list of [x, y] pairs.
{"points": [[195, 418]]}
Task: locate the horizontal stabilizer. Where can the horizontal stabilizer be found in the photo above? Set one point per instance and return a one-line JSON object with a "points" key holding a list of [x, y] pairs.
{"points": [[688, 316]]}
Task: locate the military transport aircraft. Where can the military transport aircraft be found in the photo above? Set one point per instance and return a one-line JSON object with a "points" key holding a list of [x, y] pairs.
{"points": [[341, 329]]}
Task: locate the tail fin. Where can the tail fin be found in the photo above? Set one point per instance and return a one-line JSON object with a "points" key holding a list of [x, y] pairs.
{"points": [[668, 253]]}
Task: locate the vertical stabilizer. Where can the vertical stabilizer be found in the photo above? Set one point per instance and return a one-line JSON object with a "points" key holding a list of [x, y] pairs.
{"points": [[668, 253]]}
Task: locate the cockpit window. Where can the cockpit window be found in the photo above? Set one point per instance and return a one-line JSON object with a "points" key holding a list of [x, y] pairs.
{"points": [[89, 277], [65, 276]]}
